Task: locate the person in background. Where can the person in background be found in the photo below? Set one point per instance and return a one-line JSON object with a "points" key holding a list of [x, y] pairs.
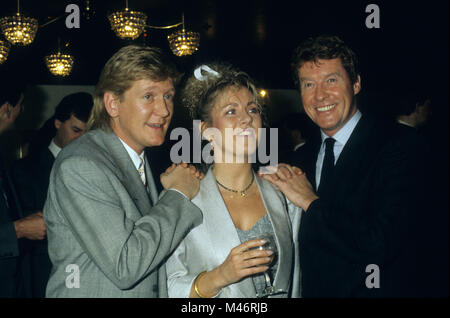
{"points": [[413, 111], [14, 226], [31, 176], [295, 130]]}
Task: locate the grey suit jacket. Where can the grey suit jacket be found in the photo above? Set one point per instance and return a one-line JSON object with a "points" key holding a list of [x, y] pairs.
{"points": [[208, 245], [100, 219]]}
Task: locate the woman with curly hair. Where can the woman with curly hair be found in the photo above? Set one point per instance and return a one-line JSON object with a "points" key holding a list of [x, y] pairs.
{"points": [[219, 258]]}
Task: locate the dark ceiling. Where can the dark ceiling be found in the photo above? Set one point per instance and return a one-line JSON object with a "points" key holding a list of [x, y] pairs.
{"points": [[259, 36]]}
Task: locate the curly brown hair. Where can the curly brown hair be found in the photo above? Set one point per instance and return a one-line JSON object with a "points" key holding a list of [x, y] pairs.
{"points": [[199, 96], [325, 47]]}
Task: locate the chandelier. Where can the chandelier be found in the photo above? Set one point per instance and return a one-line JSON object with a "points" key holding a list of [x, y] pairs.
{"points": [[19, 29], [59, 64], [4, 50], [184, 42], [128, 24]]}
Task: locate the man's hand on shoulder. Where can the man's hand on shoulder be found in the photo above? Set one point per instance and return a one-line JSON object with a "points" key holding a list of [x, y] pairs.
{"points": [[293, 183]]}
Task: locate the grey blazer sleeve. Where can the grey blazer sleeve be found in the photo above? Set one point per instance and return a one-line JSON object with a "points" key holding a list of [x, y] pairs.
{"points": [[105, 221]]}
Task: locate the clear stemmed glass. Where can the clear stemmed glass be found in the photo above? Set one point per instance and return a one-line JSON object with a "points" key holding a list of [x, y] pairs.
{"points": [[272, 246]]}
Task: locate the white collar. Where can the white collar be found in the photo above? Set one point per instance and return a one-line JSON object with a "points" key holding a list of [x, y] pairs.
{"points": [[54, 149], [299, 145], [345, 132], [405, 123], [133, 154]]}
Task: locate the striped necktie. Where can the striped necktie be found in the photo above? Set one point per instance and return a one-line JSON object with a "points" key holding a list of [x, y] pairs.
{"points": [[141, 171]]}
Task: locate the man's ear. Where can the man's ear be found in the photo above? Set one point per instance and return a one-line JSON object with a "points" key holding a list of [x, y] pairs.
{"points": [[57, 123], [111, 102], [357, 85]]}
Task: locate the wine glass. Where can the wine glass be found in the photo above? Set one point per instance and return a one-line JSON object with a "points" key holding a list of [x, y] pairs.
{"points": [[271, 246]]}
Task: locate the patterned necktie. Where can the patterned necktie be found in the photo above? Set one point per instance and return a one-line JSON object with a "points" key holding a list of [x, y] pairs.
{"points": [[141, 171], [328, 165]]}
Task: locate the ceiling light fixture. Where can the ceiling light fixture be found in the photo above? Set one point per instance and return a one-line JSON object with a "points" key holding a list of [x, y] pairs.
{"points": [[59, 64], [4, 50], [184, 42], [19, 29], [128, 24]]}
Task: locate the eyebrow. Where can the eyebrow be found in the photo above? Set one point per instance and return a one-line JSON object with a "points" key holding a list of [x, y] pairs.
{"points": [[235, 104], [172, 90], [335, 74], [149, 88], [328, 75]]}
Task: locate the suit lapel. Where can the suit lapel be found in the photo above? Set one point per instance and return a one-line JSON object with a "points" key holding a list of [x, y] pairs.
{"points": [[220, 228], [45, 164], [351, 159], [283, 232], [153, 192], [311, 152], [128, 173]]}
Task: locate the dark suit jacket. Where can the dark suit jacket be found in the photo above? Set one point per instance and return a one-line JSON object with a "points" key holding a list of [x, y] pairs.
{"points": [[31, 177], [368, 214], [13, 275]]}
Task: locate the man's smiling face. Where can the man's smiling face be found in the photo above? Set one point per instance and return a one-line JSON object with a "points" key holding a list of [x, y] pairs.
{"points": [[328, 96]]}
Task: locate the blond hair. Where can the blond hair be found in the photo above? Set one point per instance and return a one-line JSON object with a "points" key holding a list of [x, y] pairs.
{"points": [[199, 96], [129, 64]]}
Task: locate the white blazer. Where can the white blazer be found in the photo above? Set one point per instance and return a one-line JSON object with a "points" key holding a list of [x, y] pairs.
{"points": [[208, 245]]}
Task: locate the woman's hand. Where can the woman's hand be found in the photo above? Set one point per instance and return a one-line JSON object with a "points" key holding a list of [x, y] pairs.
{"points": [[240, 262]]}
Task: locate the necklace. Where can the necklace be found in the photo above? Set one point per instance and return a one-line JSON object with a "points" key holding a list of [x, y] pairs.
{"points": [[243, 193]]}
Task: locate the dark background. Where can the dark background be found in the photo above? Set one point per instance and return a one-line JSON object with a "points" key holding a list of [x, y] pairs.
{"points": [[408, 53], [410, 48]]}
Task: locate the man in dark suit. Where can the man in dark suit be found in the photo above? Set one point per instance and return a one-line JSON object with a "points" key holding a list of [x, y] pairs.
{"points": [[31, 176], [13, 225], [360, 186]]}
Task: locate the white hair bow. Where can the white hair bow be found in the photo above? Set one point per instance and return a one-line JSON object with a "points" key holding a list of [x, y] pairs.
{"points": [[198, 72]]}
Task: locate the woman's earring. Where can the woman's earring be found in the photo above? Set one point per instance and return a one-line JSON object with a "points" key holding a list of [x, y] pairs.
{"points": [[212, 146]]}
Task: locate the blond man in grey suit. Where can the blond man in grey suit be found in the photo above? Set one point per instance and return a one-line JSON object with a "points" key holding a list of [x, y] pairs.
{"points": [[108, 234]]}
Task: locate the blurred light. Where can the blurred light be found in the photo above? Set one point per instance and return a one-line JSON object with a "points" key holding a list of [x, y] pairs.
{"points": [[263, 93], [184, 42], [19, 29], [128, 24], [4, 50], [59, 64]]}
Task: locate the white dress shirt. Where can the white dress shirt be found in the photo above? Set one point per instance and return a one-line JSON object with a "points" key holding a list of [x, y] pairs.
{"points": [[54, 149], [135, 157], [404, 123], [137, 161], [341, 138]]}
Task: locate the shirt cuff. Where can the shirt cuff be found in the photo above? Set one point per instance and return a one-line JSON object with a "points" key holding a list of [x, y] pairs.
{"points": [[173, 189]]}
